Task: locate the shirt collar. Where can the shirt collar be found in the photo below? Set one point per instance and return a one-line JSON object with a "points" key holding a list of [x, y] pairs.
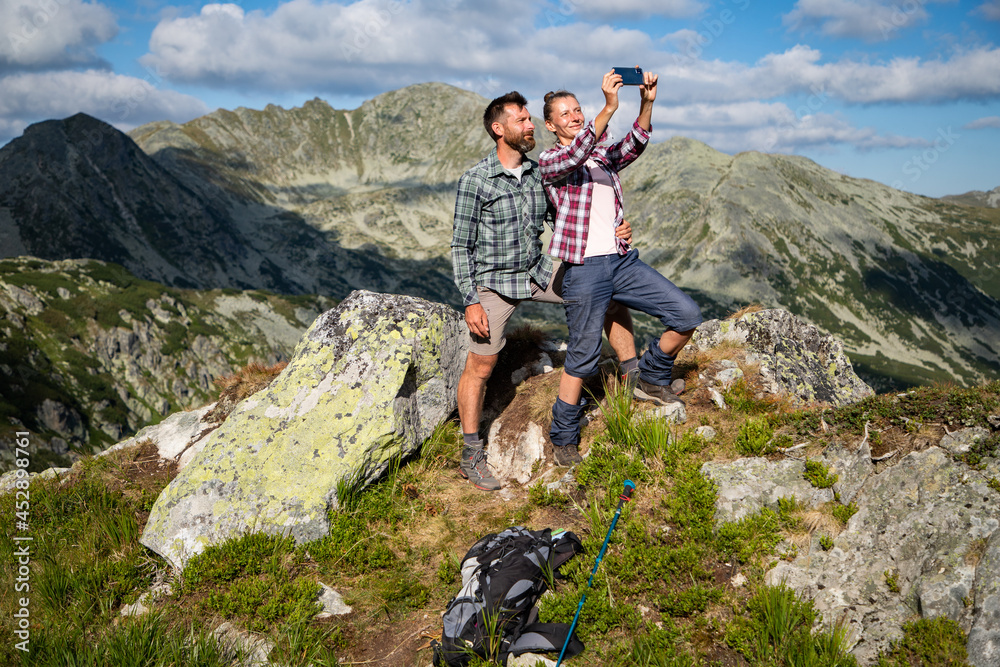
{"points": [[495, 168]]}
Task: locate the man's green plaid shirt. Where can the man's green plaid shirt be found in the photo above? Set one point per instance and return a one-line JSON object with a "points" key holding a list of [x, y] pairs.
{"points": [[498, 224]]}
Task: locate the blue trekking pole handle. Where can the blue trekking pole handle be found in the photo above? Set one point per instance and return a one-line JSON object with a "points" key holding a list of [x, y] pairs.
{"points": [[625, 497]]}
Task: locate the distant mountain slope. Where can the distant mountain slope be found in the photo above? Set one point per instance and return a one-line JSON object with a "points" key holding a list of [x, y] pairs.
{"points": [[910, 283], [382, 174], [79, 188], [976, 198], [320, 200], [90, 353]]}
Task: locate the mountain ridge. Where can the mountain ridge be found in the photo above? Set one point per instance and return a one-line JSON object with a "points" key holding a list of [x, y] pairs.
{"points": [[316, 199]]}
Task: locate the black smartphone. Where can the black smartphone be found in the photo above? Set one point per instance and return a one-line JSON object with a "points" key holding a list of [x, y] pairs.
{"points": [[631, 76]]}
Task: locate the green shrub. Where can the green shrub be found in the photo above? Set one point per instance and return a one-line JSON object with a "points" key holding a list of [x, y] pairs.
{"points": [[254, 578], [402, 591], [819, 475], [449, 569], [754, 438], [892, 580], [928, 642], [246, 556], [260, 603], [742, 398], [776, 630], [608, 465], [750, 538], [541, 495], [661, 647], [843, 513], [691, 506], [689, 601]]}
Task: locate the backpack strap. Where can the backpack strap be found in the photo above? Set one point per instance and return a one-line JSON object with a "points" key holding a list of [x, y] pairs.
{"points": [[546, 638]]}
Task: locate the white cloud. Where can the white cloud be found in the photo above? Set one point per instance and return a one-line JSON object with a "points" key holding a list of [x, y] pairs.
{"points": [[602, 9], [983, 123], [370, 46], [362, 47], [40, 34], [869, 20], [769, 127], [989, 10], [123, 101], [967, 75]]}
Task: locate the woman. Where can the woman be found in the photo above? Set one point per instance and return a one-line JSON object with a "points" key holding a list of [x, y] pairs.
{"points": [[581, 179]]}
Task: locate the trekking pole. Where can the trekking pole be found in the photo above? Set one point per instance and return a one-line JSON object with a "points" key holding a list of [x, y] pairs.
{"points": [[622, 499]]}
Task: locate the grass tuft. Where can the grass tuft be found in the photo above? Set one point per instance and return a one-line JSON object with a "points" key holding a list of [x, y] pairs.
{"points": [[245, 382]]}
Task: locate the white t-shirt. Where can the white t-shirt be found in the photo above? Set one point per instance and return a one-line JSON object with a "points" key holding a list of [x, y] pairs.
{"points": [[516, 172], [601, 237]]}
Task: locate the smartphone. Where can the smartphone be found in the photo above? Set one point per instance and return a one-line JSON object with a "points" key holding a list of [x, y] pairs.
{"points": [[631, 76]]}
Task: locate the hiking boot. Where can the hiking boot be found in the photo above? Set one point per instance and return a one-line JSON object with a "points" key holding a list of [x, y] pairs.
{"points": [[629, 381], [659, 394], [567, 455], [475, 469]]}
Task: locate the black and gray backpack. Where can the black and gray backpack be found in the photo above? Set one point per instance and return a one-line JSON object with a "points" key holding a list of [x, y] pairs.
{"points": [[494, 614]]}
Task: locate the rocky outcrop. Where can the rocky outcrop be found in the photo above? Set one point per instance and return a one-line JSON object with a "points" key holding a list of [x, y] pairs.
{"points": [[368, 383], [89, 353], [925, 541], [795, 357]]}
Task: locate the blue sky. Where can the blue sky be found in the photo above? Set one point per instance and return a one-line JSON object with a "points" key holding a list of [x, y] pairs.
{"points": [[905, 92]]}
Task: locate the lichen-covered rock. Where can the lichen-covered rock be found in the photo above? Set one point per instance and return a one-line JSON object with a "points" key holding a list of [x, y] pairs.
{"points": [[984, 638], [852, 468], [746, 486], [795, 357], [922, 521], [961, 441], [369, 381], [177, 438]]}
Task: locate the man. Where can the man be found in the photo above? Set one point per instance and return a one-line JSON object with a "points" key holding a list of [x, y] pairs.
{"points": [[498, 262]]}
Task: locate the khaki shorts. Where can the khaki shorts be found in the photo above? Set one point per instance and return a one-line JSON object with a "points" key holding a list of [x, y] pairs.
{"points": [[499, 309]]}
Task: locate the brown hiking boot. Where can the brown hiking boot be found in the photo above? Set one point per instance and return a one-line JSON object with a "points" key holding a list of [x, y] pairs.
{"points": [[659, 394], [567, 455], [475, 469]]}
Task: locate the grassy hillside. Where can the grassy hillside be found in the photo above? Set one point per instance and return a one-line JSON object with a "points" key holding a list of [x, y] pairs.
{"points": [[673, 588]]}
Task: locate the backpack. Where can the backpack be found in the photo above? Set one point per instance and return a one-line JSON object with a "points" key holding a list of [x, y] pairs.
{"points": [[494, 614]]}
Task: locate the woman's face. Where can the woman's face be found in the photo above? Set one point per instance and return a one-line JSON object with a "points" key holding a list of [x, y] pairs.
{"points": [[566, 119]]}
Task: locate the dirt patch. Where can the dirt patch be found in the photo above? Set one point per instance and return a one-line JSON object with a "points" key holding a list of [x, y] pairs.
{"points": [[403, 643]]}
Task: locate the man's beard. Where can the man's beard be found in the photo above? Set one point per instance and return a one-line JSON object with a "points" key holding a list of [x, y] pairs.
{"points": [[521, 143]]}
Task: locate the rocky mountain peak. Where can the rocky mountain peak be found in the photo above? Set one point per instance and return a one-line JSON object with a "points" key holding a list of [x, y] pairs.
{"points": [[316, 199]]}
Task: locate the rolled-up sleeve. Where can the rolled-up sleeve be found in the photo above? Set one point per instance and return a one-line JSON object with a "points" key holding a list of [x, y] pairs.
{"points": [[560, 161], [628, 149]]}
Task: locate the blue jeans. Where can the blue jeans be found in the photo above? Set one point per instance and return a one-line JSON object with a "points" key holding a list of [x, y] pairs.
{"points": [[588, 289]]}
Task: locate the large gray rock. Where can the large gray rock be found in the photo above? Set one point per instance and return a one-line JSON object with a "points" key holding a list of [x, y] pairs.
{"points": [[923, 521], [369, 382], [746, 486], [177, 438], [795, 357], [984, 638]]}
